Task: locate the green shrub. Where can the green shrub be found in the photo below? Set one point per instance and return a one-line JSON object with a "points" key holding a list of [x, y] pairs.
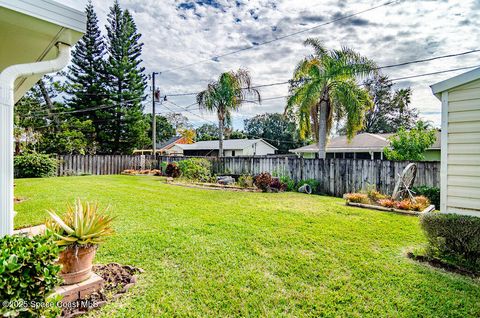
{"points": [[196, 169], [245, 181], [34, 165], [314, 184], [453, 237], [28, 275], [432, 193], [290, 184]]}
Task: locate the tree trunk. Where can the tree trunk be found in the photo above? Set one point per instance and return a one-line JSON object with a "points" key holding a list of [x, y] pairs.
{"points": [[220, 137], [322, 129], [49, 103]]}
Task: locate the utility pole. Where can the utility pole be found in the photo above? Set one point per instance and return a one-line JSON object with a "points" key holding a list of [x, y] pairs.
{"points": [[155, 96]]}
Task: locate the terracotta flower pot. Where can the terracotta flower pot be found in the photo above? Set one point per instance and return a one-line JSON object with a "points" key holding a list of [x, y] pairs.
{"points": [[76, 263]]}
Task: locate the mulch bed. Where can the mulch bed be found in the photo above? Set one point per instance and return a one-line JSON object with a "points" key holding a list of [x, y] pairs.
{"points": [[213, 186], [118, 280], [437, 263]]}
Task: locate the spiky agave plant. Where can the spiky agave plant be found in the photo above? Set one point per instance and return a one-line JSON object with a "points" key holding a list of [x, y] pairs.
{"points": [[82, 225]]}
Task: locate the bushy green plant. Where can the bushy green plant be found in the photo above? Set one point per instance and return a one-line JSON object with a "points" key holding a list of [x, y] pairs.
{"points": [[453, 237], [195, 169], [410, 144], [245, 181], [290, 184], [432, 193], [314, 184], [28, 276], [34, 165], [82, 224]]}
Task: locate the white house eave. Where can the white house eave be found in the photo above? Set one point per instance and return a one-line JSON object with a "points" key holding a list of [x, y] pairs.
{"points": [[51, 11], [455, 81]]}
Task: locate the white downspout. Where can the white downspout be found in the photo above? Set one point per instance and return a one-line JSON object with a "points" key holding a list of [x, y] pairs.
{"points": [[7, 81]]}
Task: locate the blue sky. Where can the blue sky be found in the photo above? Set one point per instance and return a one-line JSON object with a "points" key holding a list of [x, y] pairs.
{"points": [[177, 33]]}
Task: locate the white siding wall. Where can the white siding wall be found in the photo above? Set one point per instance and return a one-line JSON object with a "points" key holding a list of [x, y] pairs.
{"points": [[462, 141], [259, 149]]}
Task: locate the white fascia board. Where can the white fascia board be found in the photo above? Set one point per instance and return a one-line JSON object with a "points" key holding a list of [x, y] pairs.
{"points": [[455, 81], [50, 11]]}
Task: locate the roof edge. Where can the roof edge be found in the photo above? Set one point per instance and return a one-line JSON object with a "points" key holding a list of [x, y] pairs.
{"points": [[455, 81]]}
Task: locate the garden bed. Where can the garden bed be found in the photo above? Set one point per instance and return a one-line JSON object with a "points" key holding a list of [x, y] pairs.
{"points": [[430, 208], [118, 279], [213, 186]]}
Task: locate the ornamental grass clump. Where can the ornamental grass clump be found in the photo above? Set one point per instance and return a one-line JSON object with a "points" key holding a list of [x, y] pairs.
{"points": [[80, 231], [82, 224]]}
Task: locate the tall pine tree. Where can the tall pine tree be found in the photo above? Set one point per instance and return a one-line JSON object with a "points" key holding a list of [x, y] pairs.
{"points": [[86, 77], [126, 83]]}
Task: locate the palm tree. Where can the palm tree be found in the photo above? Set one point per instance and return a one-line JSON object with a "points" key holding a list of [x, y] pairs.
{"points": [[227, 95], [324, 88]]}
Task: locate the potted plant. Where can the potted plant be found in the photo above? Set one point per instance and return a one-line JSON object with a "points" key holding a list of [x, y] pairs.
{"points": [[80, 231]]}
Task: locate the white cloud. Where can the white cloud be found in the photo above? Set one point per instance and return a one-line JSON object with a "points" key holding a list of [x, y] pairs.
{"points": [[181, 32]]}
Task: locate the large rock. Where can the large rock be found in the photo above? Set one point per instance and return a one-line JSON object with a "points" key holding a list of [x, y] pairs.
{"points": [[225, 180]]}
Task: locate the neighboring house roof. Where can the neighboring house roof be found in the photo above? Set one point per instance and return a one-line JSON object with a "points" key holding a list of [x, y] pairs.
{"points": [[455, 81], [170, 142], [229, 144], [360, 143]]}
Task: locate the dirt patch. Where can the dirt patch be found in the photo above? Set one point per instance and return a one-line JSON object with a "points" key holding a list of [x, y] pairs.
{"points": [[438, 263], [118, 280], [18, 199]]}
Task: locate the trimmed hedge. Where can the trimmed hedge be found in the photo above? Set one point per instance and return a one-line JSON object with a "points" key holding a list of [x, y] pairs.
{"points": [[453, 237], [34, 165], [28, 275]]}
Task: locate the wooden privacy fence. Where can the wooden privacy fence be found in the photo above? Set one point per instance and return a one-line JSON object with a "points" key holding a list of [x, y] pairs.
{"points": [[335, 176], [102, 164]]}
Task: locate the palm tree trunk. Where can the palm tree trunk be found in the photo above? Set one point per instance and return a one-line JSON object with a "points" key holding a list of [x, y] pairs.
{"points": [[322, 129], [220, 137]]}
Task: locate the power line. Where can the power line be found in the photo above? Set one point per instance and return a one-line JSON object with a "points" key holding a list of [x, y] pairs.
{"points": [[434, 73], [85, 109], [216, 57], [377, 68]]}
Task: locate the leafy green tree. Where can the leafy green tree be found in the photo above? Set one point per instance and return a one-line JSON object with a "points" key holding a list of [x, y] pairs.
{"points": [[410, 144], [165, 130], [71, 138], [178, 121], [46, 126], [126, 83], [207, 132], [391, 108], [210, 132], [325, 88], [227, 95], [231, 133], [277, 129], [86, 78]]}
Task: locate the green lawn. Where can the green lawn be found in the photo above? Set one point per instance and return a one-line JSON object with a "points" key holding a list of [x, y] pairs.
{"points": [[225, 254]]}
